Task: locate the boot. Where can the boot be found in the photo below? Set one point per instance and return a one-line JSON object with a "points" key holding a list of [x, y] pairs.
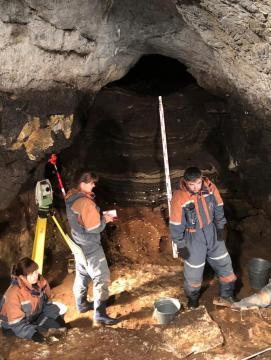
{"points": [[85, 306], [89, 305], [101, 316], [7, 332], [193, 300], [226, 295]]}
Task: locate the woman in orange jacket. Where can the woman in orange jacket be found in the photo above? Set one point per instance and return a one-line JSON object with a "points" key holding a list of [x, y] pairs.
{"points": [[24, 308]]}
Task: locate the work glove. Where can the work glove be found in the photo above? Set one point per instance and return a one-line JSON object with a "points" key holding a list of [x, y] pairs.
{"points": [[184, 253], [221, 234], [38, 338]]}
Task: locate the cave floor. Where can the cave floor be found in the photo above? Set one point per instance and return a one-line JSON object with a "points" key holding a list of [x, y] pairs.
{"points": [[143, 271]]}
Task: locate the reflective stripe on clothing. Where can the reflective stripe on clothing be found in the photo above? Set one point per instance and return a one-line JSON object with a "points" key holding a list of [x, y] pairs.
{"points": [[25, 302], [194, 266], [175, 223], [219, 257]]}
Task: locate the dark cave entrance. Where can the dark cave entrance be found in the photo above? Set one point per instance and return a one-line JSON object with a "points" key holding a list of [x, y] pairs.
{"points": [[155, 75]]}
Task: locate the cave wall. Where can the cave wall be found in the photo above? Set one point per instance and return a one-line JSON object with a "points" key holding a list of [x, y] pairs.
{"points": [[239, 35], [51, 50], [121, 141]]}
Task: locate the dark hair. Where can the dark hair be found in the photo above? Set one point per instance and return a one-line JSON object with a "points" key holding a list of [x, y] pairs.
{"points": [[84, 175], [192, 173], [25, 266]]}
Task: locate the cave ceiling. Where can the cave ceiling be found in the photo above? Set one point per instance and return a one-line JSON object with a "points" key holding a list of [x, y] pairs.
{"points": [[87, 43]]}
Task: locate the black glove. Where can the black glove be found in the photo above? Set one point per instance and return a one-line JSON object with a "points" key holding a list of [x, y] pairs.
{"points": [[221, 234], [38, 338], [184, 253]]}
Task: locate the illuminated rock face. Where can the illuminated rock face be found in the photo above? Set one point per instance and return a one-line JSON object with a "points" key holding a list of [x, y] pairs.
{"points": [[33, 125]]}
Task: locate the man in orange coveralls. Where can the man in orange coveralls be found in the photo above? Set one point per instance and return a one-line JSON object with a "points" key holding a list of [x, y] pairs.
{"points": [[197, 224]]}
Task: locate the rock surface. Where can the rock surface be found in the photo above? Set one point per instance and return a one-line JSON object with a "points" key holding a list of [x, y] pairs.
{"points": [[192, 333], [225, 44], [33, 125]]}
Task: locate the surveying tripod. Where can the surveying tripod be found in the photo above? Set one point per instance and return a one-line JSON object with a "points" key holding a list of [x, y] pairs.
{"points": [[44, 200]]}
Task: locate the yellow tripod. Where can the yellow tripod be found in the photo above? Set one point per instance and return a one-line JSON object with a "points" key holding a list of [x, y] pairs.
{"points": [[44, 199], [39, 242]]}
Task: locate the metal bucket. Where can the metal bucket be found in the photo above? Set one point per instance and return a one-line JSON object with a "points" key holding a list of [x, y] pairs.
{"points": [[165, 310], [259, 272]]}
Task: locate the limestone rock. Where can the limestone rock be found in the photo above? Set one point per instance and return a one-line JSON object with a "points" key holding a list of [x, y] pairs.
{"points": [[193, 332]]}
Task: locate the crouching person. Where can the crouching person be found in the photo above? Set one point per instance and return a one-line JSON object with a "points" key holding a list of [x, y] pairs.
{"points": [[24, 308]]}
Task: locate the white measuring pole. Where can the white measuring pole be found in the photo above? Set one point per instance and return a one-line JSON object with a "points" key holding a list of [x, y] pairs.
{"points": [[165, 155], [256, 354]]}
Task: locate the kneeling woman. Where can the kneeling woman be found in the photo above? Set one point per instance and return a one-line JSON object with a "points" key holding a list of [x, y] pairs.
{"points": [[24, 309]]}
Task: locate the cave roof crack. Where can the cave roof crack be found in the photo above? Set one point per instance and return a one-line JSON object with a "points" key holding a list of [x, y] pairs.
{"points": [[62, 52], [17, 22], [69, 85], [174, 32]]}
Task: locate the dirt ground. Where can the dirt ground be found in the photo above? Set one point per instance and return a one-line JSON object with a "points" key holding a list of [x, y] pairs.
{"points": [[142, 271]]}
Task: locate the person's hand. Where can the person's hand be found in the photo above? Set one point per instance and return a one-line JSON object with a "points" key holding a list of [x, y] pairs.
{"points": [[38, 338], [184, 253], [221, 234], [108, 218]]}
